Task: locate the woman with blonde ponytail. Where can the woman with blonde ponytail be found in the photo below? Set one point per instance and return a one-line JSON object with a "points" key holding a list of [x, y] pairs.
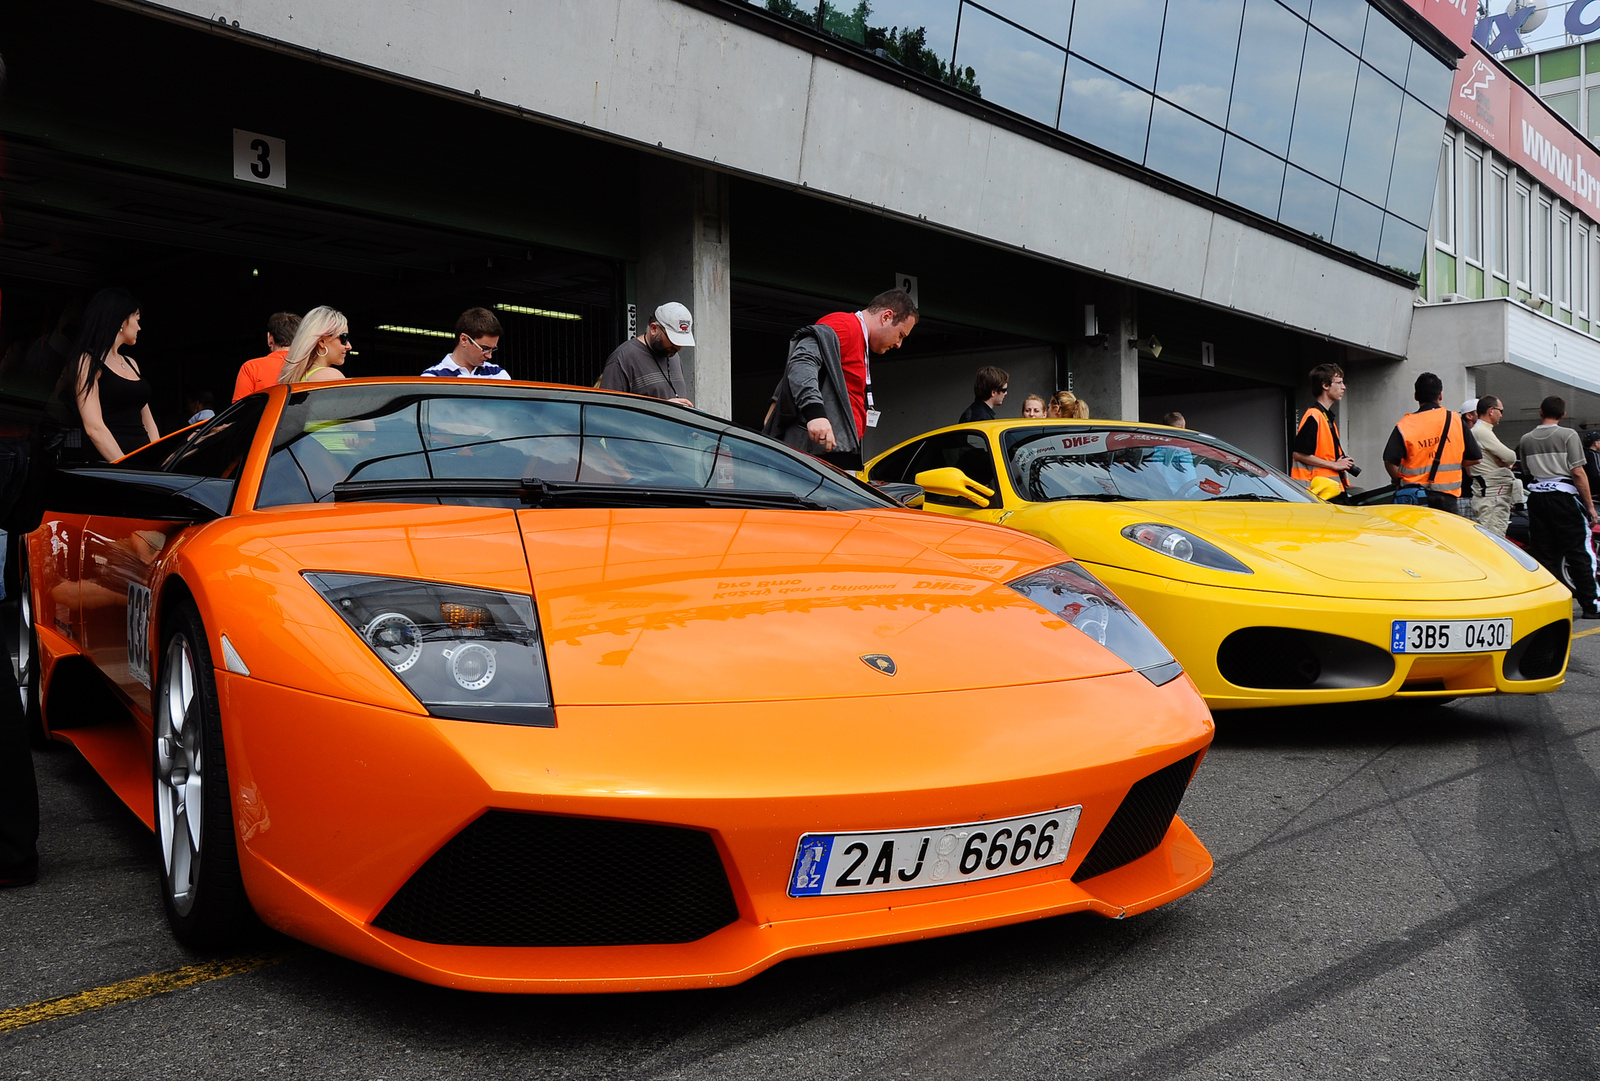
{"points": [[318, 349]]}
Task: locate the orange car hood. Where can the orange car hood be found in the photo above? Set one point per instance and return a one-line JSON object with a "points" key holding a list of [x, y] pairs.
{"points": [[671, 606]]}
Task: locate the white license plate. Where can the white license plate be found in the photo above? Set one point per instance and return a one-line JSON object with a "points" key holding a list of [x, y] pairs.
{"points": [[831, 863], [1450, 635]]}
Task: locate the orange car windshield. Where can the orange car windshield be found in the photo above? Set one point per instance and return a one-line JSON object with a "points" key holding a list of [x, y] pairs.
{"points": [[396, 444], [1115, 464]]}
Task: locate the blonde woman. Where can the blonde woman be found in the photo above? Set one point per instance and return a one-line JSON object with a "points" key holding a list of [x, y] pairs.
{"points": [[1033, 407], [317, 352], [1068, 406]]}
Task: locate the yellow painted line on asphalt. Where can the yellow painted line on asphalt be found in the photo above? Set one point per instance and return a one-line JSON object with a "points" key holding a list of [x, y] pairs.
{"points": [[1585, 634], [157, 983]]}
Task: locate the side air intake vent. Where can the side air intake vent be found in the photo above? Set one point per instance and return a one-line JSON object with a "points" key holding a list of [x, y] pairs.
{"points": [[515, 879], [1141, 820]]}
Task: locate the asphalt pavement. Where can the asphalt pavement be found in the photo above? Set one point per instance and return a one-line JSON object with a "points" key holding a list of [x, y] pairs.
{"points": [[1400, 891]]}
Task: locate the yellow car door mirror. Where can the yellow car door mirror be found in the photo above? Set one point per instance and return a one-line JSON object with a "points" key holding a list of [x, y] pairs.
{"points": [[951, 482]]}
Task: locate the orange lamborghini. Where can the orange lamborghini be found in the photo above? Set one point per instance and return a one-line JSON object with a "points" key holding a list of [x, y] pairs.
{"points": [[530, 688]]}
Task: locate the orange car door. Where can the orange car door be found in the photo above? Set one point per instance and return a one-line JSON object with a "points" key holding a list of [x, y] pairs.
{"points": [[119, 560]]}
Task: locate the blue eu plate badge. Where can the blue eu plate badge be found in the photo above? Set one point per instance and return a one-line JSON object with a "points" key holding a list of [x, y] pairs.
{"points": [[809, 864]]}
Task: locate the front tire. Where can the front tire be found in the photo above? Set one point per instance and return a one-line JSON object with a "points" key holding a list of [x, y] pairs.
{"points": [[201, 887]]}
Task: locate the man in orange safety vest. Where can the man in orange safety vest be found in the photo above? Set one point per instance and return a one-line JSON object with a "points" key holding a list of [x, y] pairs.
{"points": [[1317, 450]]}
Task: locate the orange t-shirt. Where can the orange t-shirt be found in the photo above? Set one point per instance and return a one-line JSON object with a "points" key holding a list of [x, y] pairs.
{"points": [[260, 373]]}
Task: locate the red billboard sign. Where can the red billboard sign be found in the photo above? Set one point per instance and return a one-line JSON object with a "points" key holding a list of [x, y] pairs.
{"points": [[1454, 18]]}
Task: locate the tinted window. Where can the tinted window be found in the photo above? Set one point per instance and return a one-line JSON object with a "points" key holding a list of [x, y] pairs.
{"points": [[1357, 225], [1121, 36], [353, 434], [893, 466], [1342, 20], [1251, 177], [219, 449], [1429, 78], [1322, 109], [1105, 111], [1308, 204], [1015, 69], [1386, 47], [1197, 53], [1416, 163], [1402, 244], [1184, 147], [1271, 44], [1370, 151]]}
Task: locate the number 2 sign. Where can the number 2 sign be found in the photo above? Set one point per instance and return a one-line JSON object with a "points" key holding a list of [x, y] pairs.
{"points": [[258, 158]]}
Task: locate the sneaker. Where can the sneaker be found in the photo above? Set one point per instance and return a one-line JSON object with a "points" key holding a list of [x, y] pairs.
{"points": [[25, 873], [1589, 613]]}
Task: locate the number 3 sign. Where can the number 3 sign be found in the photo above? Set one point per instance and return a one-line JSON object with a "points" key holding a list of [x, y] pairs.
{"points": [[258, 158]]}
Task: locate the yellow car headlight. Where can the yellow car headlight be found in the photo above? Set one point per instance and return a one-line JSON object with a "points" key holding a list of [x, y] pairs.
{"points": [[1174, 542]]}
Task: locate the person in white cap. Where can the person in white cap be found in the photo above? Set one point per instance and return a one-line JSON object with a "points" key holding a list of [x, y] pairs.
{"points": [[649, 364], [1469, 411]]}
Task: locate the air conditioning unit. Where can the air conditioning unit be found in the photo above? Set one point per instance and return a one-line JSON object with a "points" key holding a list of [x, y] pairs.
{"points": [[1451, 298]]}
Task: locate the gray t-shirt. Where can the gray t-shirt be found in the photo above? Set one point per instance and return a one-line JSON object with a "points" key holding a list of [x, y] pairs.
{"points": [[633, 368], [1550, 452]]}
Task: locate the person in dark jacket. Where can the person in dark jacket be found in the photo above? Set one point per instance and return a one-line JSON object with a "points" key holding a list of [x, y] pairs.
{"points": [[823, 404], [988, 394]]}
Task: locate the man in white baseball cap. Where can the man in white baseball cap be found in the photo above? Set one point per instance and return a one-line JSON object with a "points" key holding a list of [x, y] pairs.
{"points": [[649, 364]]}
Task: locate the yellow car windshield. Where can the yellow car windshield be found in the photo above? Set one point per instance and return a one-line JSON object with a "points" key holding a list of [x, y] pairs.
{"points": [[1080, 462]]}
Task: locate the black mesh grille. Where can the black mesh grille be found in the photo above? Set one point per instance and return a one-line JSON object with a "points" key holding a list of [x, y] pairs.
{"points": [[513, 879], [1140, 822], [1541, 654]]}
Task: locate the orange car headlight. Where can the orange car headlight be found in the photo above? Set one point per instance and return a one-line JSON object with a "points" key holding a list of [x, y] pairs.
{"points": [[1078, 597], [466, 654]]}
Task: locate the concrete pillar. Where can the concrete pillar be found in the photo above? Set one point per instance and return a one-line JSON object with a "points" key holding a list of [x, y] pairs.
{"points": [[683, 256], [1107, 375]]}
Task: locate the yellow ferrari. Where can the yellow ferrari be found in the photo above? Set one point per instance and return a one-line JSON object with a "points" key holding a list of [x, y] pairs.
{"points": [[1266, 594]]}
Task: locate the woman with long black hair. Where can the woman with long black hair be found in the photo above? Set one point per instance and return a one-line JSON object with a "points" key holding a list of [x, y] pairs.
{"points": [[113, 398]]}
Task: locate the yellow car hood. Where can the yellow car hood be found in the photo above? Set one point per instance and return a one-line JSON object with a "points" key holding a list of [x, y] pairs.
{"points": [[1311, 548]]}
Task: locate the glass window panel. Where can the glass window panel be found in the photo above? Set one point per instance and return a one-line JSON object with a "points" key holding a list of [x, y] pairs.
{"points": [[917, 34], [1403, 245], [1120, 36], [1499, 254], [1444, 208], [1522, 68], [1322, 110], [1580, 271], [1471, 214], [1562, 258], [1198, 45], [1357, 226], [1270, 47], [1342, 20], [1301, 6], [1184, 147], [1594, 278], [1520, 236], [1370, 152], [1015, 69], [1103, 110], [1541, 251], [1047, 18], [1308, 204], [1565, 106], [801, 11], [1251, 178], [1386, 47], [1594, 107], [1429, 79], [1416, 163]]}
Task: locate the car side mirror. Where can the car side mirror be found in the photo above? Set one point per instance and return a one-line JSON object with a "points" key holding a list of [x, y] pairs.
{"points": [[909, 495], [1325, 488], [953, 483], [136, 493]]}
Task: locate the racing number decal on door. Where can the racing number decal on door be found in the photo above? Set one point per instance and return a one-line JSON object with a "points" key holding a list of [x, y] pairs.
{"points": [[139, 633]]}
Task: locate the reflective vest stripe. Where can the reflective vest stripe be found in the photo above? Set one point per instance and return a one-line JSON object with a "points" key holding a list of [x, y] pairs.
{"points": [[1420, 431]]}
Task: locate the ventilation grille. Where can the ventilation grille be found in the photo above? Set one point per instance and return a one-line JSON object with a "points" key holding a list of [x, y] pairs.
{"points": [[513, 879], [1541, 654], [1140, 822]]}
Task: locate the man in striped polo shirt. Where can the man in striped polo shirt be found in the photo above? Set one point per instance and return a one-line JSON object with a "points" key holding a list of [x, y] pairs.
{"points": [[477, 341]]}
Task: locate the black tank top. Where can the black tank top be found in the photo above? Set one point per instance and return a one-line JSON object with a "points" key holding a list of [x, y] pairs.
{"points": [[122, 403]]}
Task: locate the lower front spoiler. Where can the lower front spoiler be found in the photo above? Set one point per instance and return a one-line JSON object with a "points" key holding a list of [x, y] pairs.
{"points": [[742, 949]]}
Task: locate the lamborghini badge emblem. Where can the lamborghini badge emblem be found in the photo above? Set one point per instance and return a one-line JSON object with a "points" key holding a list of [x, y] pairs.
{"points": [[880, 662]]}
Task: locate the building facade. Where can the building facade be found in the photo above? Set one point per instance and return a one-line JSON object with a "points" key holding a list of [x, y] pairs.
{"points": [[1160, 204]]}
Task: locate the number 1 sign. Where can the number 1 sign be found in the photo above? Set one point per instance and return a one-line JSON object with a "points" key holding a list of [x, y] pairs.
{"points": [[258, 158]]}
